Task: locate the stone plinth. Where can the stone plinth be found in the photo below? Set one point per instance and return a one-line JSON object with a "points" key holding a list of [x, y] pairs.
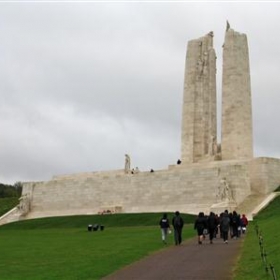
{"points": [[222, 206]]}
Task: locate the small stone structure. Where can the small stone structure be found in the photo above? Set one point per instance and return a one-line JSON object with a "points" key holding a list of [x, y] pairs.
{"points": [[211, 175]]}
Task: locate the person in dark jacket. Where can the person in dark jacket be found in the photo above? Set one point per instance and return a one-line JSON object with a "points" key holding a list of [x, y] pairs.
{"points": [[178, 224], [235, 223], [224, 226], [212, 226], [199, 225], [165, 227]]}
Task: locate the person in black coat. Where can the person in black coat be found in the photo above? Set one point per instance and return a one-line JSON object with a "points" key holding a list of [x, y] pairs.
{"points": [[212, 226], [235, 223], [199, 225], [178, 224], [225, 226]]}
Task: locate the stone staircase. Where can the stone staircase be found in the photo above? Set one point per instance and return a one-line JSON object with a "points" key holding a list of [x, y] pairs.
{"points": [[250, 206], [255, 203], [13, 215]]}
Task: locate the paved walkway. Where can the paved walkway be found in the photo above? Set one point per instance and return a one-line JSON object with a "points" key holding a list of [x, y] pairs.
{"points": [[187, 261]]}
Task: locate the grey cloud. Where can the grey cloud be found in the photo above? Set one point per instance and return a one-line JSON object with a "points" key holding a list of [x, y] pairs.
{"points": [[83, 84]]}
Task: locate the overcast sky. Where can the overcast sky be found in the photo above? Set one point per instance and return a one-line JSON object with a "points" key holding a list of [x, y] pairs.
{"points": [[81, 84]]}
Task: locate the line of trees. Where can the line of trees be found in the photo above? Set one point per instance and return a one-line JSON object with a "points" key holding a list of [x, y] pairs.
{"points": [[10, 190]]}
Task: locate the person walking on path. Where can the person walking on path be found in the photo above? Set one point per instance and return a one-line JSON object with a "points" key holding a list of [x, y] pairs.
{"points": [[212, 226], [243, 223], [235, 223], [165, 227], [224, 226], [199, 225], [178, 224]]}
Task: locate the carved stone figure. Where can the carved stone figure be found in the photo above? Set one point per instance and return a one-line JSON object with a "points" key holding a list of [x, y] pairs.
{"points": [[24, 203], [224, 191], [199, 66], [228, 26], [127, 164], [212, 146]]}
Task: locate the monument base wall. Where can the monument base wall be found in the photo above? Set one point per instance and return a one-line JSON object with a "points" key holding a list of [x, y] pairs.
{"points": [[265, 175], [187, 188]]}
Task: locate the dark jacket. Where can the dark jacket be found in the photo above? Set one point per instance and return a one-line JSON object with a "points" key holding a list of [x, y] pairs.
{"points": [[178, 222], [200, 223], [212, 222], [164, 223], [224, 222]]}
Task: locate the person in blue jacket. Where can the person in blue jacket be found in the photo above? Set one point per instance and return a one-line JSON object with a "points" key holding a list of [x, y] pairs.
{"points": [[165, 227]]}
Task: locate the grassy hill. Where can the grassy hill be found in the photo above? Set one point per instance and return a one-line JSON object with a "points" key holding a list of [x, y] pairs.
{"points": [[63, 248], [81, 221], [6, 204], [261, 248]]}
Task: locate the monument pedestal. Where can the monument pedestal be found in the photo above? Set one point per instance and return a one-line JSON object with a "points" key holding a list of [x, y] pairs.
{"points": [[220, 207]]}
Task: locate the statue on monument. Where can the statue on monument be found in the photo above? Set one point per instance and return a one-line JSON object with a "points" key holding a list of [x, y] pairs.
{"points": [[212, 146], [127, 164], [224, 191], [24, 203], [199, 67], [228, 26]]}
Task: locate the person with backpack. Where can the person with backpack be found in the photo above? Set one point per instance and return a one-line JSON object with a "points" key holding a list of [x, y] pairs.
{"points": [[224, 226], [212, 224], [200, 225], [178, 224], [165, 227], [235, 222]]}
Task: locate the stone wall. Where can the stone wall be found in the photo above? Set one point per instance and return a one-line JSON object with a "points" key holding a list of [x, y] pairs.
{"points": [[187, 188], [265, 174]]}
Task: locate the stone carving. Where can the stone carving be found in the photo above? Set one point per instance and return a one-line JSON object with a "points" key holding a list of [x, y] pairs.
{"points": [[224, 191], [127, 164], [213, 146], [199, 66], [24, 203], [228, 26]]}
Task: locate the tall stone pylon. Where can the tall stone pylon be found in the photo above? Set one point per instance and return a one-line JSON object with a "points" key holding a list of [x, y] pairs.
{"points": [[236, 138], [199, 120]]}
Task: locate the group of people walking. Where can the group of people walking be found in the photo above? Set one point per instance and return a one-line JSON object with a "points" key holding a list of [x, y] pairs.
{"points": [[177, 223], [226, 224]]}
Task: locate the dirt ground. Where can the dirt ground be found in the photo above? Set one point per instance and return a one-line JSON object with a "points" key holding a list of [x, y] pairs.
{"points": [[187, 261]]}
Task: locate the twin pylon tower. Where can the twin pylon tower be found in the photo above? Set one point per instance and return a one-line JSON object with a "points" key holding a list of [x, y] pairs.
{"points": [[199, 121]]}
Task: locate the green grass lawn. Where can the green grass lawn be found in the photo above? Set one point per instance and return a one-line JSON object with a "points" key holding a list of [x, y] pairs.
{"points": [[62, 248], [7, 204], [251, 265]]}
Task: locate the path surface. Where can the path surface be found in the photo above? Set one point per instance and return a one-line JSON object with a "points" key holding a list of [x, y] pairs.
{"points": [[187, 261]]}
